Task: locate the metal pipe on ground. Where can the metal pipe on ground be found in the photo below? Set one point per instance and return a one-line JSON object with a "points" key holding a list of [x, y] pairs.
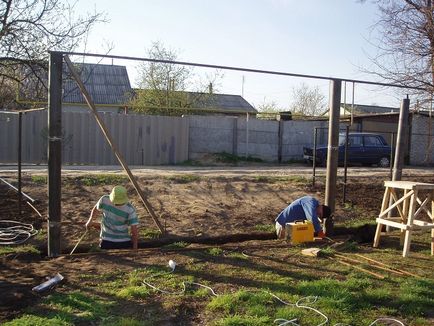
{"points": [[16, 189]]}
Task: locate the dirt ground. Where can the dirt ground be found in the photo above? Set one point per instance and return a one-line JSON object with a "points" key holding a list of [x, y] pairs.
{"points": [[187, 204]]}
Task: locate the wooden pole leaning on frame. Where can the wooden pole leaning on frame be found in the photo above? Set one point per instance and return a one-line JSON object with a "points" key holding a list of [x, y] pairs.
{"points": [[106, 133]]}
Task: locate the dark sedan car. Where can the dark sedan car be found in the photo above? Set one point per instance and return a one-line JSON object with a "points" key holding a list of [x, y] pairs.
{"points": [[363, 148]]}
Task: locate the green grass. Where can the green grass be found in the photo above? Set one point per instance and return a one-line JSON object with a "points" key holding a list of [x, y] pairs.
{"points": [[99, 180], [233, 159], [39, 179], [264, 227], [178, 244], [244, 286], [215, 251], [184, 178], [295, 179], [354, 301], [145, 233], [66, 309], [19, 249], [32, 320], [191, 163]]}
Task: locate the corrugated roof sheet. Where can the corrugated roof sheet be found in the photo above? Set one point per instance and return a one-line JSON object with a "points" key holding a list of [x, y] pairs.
{"points": [[364, 109], [106, 84]]}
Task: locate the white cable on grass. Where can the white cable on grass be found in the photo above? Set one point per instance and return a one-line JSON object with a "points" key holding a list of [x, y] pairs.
{"points": [[14, 232], [386, 318], [281, 321], [313, 309], [284, 322]]}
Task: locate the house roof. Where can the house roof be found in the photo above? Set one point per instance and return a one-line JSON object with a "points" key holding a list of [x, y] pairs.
{"points": [[110, 85], [225, 102], [369, 109], [106, 84]]}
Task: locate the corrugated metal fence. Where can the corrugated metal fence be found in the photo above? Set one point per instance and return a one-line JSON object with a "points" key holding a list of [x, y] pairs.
{"points": [[142, 140]]}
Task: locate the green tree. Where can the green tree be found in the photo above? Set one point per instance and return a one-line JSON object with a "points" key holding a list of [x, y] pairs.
{"points": [[163, 86], [29, 29]]}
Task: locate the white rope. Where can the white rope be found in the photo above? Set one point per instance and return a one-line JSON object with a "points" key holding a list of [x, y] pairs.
{"points": [[301, 303], [13, 232], [386, 318]]}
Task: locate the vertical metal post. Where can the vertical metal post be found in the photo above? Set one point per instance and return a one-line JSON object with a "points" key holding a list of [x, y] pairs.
{"points": [[399, 149], [315, 135], [333, 140], [279, 141], [235, 137], [392, 141], [54, 152], [401, 139], [247, 135], [20, 142], [347, 132]]}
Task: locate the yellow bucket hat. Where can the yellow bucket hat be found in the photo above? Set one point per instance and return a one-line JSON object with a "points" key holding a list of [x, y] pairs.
{"points": [[119, 196]]}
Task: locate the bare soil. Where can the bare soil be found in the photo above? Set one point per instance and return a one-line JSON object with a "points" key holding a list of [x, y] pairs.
{"points": [[210, 205]]}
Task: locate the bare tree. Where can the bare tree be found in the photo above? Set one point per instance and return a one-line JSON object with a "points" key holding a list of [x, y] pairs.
{"points": [[29, 29], [307, 100], [405, 46]]}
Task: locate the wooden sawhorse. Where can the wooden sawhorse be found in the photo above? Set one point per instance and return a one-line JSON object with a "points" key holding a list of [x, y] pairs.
{"points": [[417, 197]]}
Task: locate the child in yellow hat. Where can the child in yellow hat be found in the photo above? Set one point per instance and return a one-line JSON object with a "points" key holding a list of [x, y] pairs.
{"points": [[118, 216]]}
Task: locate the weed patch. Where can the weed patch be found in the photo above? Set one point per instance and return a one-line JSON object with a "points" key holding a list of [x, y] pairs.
{"points": [[39, 179], [20, 249], [98, 179], [184, 178]]}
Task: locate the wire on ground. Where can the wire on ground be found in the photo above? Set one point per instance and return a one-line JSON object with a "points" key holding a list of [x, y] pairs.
{"points": [[13, 232], [301, 303]]}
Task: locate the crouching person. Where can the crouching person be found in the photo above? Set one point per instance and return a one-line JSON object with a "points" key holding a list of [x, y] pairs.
{"points": [[117, 217], [304, 208]]}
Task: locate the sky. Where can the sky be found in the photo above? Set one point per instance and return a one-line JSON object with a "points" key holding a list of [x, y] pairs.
{"points": [[330, 38]]}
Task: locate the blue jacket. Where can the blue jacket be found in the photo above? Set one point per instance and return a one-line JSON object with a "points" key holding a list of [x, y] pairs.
{"points": [[301, 209]]}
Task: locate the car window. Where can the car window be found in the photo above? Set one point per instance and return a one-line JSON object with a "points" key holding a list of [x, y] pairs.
{"points": [[372, 141], [355, 141]]}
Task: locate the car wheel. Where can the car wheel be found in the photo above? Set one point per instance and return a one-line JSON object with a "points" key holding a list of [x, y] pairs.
{"points": [[384, 162]]}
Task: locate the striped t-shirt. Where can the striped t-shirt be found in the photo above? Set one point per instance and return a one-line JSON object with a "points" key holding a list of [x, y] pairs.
{"points": [[116, 220]]}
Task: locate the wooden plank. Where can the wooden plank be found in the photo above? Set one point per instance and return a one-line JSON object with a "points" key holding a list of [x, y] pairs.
{"points": [[393, 224], [106, 133], [377, 235], [385, 201], [409, 194], [379, 267], [381, 277], [388, 266], [395, 198], [424, 205], [409, 185]]}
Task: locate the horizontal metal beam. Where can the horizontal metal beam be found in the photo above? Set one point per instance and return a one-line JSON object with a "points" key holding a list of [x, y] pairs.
{"points": [[260, 71]]}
